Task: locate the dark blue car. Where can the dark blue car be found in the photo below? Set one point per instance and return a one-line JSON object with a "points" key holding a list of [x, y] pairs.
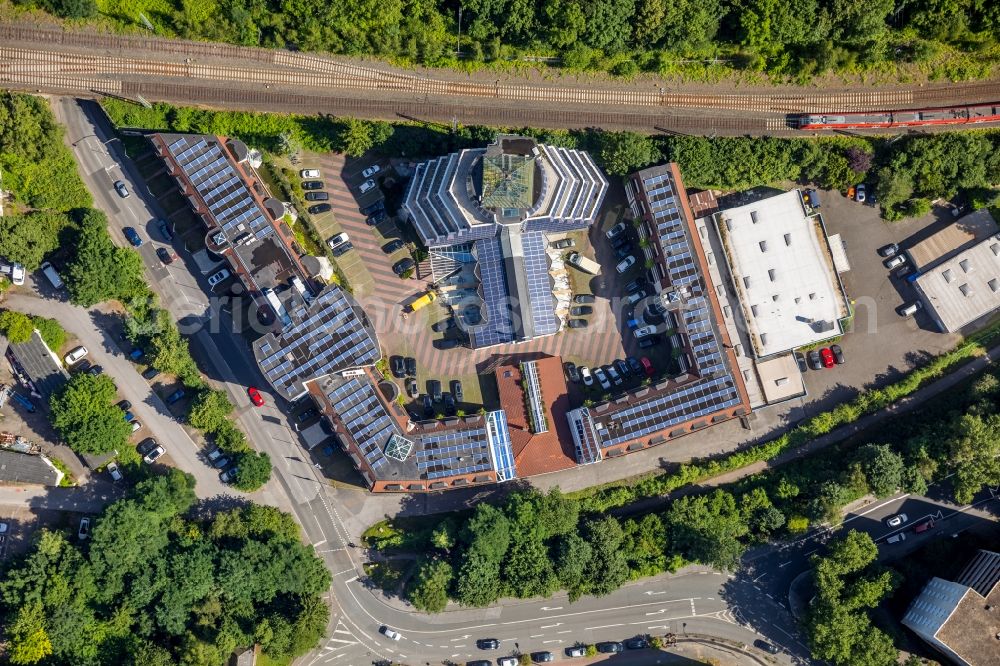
{"points": [[132, 236]]}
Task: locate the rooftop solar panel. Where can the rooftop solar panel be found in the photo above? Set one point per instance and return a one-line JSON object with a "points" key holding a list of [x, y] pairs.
{"points": [[536, 273]]}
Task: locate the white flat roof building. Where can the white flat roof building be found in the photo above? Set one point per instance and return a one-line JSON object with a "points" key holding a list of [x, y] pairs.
{"points": [[963, 288], [783, 271]]}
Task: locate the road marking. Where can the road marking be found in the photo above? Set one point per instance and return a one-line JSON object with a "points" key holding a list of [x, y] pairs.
{"points": [[536, 636], [547, 608], [785, 564], [346, 571], [550, 626], [650, 592], [568, 631], [553, 641], [319, 543], [339, 640], [603, 626], [811, 551]]}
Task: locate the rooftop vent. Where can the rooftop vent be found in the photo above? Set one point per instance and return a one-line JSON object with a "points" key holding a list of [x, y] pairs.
{"points": [[996, 248], [966, 266], [771, 274], [965, 289], [763, 246], [948, 275], [753, 216], [788, 239], [746, 281], [994, 285]]}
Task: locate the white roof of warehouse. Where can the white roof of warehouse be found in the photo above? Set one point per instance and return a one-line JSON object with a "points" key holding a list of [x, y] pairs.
{"points": [[965, 287], [783, 271]]}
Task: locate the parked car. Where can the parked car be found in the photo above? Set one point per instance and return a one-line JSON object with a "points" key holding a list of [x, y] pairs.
{"points": [[576, 651], [428, 406], [893, 262], [215, 454], [153, 455], [827, 357], [123, 405], [412, 389], [228, 475], [622, 367], [443, 343], [449, 404], [389, 633], [838, 354], [338, 240], [95, 370], [114, 471], [577, 323], [898, 520], [581, 310], [393, 245], [313, 185], [625, 264], [398, 366], [801, 360], [610, 647], [602, 378], [443, 325], [317, 196], [572, 373], [613, 375], [615, 231], [343, 249], [84, 531], [164, 255], [889, 250], [586, 376], [479, 662], [165, 231], [434, 389], [643, 331], [373, 207], [910, 309], [456, 390], [376, 218], [542, 657], [620, 242], [145, 446], [371, 171], [221, 462], [649, 341], [765, 646], [563, 243], [135, 427], [402, 266], [507, 661], [624, 252], [815, 362], [309, 173], [859, 193], [896, 538], [584, 299], [218, 277], [75, 354], [635, 285], [150, 373], [255, 396], [175, 396], [411, 366], [634, 365], [637, 643], [136, 354], [635, 296], [319, 208], [121, 189], [647, 366], [924, 526], [367, 186]]}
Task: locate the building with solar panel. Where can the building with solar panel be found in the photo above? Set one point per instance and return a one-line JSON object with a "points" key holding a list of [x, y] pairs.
{"points": [[395, 454], [709, 388], [488, 211], [244, 223]]}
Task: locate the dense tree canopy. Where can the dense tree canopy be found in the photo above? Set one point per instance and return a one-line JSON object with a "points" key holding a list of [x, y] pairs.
{"points": [[155, 587], [100, 270], [85, 414]]}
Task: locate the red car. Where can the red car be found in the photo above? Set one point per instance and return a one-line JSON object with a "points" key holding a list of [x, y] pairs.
{"points": [[827, 357], [255, 396], [647, 365]]}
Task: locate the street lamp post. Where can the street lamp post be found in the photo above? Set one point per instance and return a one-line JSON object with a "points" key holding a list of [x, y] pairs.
{"points": [[458, 43]]}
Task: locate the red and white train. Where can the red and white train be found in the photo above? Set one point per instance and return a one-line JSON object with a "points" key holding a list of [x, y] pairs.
{"points": [[987, 112]]}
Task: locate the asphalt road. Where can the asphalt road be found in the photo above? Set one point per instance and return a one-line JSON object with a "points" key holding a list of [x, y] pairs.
{"points": [[657, 605]]}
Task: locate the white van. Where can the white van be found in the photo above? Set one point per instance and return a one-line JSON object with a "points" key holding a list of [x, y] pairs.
{"points": [[75, 355], [51, 275], [896, 538], [910, 309]]}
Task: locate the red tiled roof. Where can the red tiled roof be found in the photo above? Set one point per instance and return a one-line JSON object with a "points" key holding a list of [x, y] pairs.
{"points": [[543, 452]]}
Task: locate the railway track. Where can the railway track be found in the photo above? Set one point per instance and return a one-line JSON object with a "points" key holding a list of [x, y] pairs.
{"points": [[276, 67]]}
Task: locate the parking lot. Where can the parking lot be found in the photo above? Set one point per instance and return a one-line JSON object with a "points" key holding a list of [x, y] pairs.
{"points": [[881, 345]]}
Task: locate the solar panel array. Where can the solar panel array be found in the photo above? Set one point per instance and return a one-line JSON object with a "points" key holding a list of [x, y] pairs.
{"points": [[533, 391], [646, 417], [585, 441], [500, 446], [536, 275], [454, 452], [325, 336], [210, 170], [364, 417], [497, 329]]}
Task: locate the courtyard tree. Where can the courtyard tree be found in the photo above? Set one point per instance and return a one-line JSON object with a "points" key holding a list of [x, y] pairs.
{"points": [[85, 415]]}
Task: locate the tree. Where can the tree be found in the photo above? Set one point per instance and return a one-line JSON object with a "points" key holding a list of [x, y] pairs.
{"points": [[73, 9], [621, 153], [29, 642], [708, 529], [883, 468], [357, 137], [573, 556], [28, 238], [16, 326], [858, 159], [429, 592], [168, 351], [85, 415], [645, 546], [101, 271], [253, 470], [974, 453], [209, 410], [607, 569], [51, 332]]}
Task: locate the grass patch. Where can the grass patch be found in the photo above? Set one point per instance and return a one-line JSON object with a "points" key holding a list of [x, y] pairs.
{"points": [[68, 479]]}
